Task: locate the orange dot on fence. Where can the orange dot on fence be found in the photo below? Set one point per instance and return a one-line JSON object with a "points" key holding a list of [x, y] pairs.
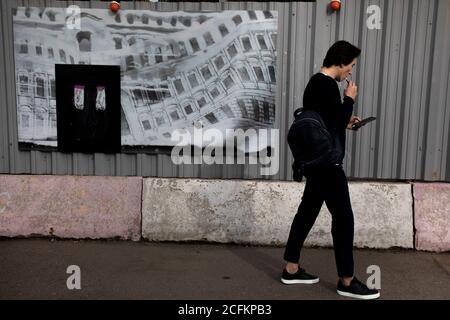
{"points": [[114, 6], [335, 5]]}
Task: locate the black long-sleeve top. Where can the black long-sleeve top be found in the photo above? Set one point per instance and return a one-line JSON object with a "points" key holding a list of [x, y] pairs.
{"points": [[323, 96]]}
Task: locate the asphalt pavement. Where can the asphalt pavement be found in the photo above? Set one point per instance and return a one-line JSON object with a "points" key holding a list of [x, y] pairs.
{"points": [[114, 269]]}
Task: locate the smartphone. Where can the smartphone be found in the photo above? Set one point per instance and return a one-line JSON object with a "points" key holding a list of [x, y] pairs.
{"points": [[363, 122]]}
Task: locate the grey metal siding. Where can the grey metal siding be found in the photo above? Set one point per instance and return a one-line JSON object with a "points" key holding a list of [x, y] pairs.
{"points": [[403, 77]]}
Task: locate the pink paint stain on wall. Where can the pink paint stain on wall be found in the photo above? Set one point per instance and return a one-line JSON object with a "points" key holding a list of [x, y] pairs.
{"points": [[70, 206]]}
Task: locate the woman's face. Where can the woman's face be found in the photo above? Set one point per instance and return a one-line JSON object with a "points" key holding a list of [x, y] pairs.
{"points": [[346, 70]]}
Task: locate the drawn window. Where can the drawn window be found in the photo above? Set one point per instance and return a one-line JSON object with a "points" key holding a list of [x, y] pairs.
{"points": [[255, 106], [129, 61], [173, 51], [206, 73], [193, 80], [215, 92], [158, 56], [252, 15], [247, 44], [146, 124], [208, 39], [201, 102], [242, 107], [165, 90], [25, 120], [244, 74], [145, 19], [202, 19], [84, 41], [139, 98], [211, 118], [262, 42], [182, 48], [52, 88], [40, 87], [237, 20], [219, 62], [194, 44], [259, 74], [160, 120], [39, 50], [274, 39], [23, 84], [232, 51], [179, 86], [174, 115], [188, 109], [228, 82], [223, 30], [268, 15], [144, 59], [23, 48], [187, 21], [50, 15], [272, 73], [152, 95], [118, 43], [51, 55], [62, 55]]}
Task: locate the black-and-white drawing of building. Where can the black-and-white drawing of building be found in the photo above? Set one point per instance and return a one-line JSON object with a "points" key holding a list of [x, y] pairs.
{"points": [[178, 69], [36, 54]]}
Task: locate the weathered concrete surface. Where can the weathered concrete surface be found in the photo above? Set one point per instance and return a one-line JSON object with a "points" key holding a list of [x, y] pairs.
{"points": [[70, 206], [260, 212], [432, 216], [382, 213]]}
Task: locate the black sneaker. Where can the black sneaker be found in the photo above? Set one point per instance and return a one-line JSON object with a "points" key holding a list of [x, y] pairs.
{"points": [[358, 290], [301, 276]]}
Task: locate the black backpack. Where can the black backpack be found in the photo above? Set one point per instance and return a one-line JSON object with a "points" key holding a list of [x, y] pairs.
{"points": [[314, 147]]}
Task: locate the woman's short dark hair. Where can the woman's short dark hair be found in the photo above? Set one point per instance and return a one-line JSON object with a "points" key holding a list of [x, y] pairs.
{"points": [[341, 53]]}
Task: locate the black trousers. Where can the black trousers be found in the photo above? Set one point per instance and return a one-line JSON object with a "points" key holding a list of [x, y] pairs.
{"points": [[331, 186]]}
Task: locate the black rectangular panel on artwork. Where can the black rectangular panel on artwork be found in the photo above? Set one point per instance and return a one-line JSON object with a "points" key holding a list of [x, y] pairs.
{"points": [[88, 108]]}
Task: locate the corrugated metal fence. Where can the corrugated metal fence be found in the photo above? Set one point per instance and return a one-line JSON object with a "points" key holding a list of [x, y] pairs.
{"points": [[403, 77]]}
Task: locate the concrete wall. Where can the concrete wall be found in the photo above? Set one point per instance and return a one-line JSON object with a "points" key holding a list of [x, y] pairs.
{"points": [[238, 211], [261, 212], [70, 206], [432, 213]]}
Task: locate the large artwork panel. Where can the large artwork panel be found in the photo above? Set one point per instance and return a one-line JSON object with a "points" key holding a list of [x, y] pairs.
{"points": [[178, 70]]}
